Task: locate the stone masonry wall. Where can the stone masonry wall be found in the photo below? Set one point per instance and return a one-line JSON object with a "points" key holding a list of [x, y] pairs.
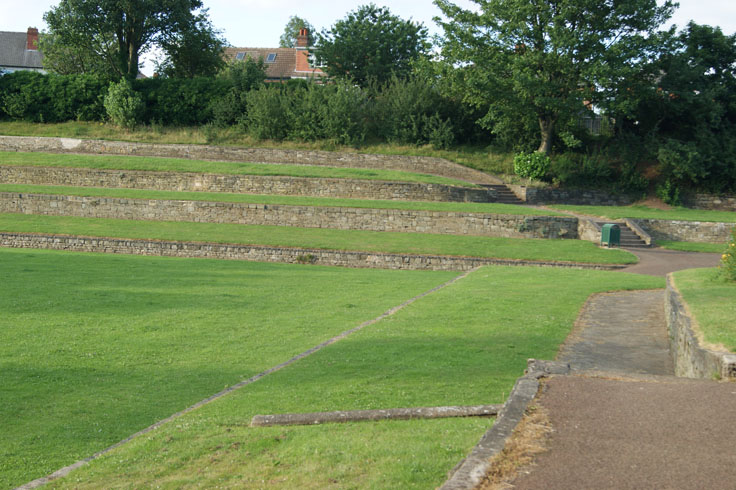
{"points": [[686, 231], [708, 201], [690, 358], [265, 253], [426, 165], [533, 195], [247, 184], [304, 216]]}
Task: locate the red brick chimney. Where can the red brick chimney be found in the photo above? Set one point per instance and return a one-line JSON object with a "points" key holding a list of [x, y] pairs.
{"points": [[32, 39], [302, 40]]}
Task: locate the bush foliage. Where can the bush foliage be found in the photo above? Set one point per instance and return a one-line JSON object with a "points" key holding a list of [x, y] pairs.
{"points": [[674, 121], [123, 104], [531, 165], [728, 259]]}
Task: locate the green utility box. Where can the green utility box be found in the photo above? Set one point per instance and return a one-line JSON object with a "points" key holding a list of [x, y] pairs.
{"points": [[611, 235]]}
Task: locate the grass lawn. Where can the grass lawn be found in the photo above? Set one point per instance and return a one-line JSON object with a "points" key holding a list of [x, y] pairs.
{"points": [[692, 246], [464, 207], [712, 302], [118, 162], [645, 212], [481, 158], [465, 344], [94, 347], [322, 238]]}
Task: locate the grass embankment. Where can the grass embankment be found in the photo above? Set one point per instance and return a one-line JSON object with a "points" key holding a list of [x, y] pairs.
{"points": [[160, 164], [321, 238], [692, 246], [646, 212], [481, 158], [95, 347], [460, 207], [465, 344], [713, 303]]}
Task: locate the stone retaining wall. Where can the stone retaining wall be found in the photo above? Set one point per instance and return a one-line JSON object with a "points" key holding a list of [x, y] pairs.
{"points": [[686, 231], [454, 223], [690, 358], [257, 253], [406, 163], [533, 195], [246, 184], [589, 230], [709, 201]]}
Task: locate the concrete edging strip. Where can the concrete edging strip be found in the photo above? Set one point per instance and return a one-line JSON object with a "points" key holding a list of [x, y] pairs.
{"points": [[263, 253], [68, 469], [374, 415], [471, 471]]}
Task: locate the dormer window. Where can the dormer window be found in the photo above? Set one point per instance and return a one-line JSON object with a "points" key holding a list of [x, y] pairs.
{"points": [[271, 58]]}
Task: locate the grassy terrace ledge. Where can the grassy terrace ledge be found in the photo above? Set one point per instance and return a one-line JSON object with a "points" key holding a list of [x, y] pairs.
{"points": [[329, 239], [463, 207], [646, 212], [161, 164]]}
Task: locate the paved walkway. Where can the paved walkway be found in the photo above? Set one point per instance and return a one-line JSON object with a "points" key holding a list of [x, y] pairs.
{"points": [[622, 421], [660, 262], [670, 433], [622, 332]]}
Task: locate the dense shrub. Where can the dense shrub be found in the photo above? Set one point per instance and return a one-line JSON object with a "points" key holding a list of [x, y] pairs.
{"points": [[531, 165], [179, 101], [33, 96], [267, 113], [412, 111], [728, 259], [239, 78], [123, 104], [308, 112]]}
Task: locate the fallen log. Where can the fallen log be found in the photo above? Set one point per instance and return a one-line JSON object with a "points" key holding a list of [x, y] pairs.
{"points": [[374, 415]]}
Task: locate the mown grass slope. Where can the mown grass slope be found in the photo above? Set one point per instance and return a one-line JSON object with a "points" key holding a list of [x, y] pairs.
{"points": [[465, 344]]}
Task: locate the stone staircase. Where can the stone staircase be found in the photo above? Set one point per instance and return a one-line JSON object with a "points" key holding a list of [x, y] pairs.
{"points": [[629, 239], [504, 194]]}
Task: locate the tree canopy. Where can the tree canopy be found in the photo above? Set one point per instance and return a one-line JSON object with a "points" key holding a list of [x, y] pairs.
{"points": [[291, 31], [369, 44], [538, 62], [194, 51], [115, 32]]}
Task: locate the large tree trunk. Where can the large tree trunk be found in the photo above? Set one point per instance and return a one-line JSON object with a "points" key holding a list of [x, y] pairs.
{"points": [[547, 131]]}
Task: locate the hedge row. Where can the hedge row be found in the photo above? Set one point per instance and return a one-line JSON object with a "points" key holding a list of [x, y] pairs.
{"points": [[402, 111]]}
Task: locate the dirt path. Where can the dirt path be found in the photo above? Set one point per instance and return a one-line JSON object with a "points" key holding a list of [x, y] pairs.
{"points": [[670, 433]]}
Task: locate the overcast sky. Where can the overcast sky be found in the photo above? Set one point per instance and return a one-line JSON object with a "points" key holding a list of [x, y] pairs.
{"points": [[259, 23]]}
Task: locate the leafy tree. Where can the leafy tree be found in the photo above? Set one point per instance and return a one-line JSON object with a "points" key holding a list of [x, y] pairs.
{"points": [[63, 59], [692, 109], [196, 51], [537, 62], [115, 31], [371, 44], [241, 77], [291, 31]]}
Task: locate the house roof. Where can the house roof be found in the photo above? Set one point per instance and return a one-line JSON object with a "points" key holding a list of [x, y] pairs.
{"points": [[281, 63], [13, 52]]}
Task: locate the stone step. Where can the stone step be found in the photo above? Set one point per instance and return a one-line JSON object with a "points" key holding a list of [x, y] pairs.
{"points": [[629, 239], [504, 195]]}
